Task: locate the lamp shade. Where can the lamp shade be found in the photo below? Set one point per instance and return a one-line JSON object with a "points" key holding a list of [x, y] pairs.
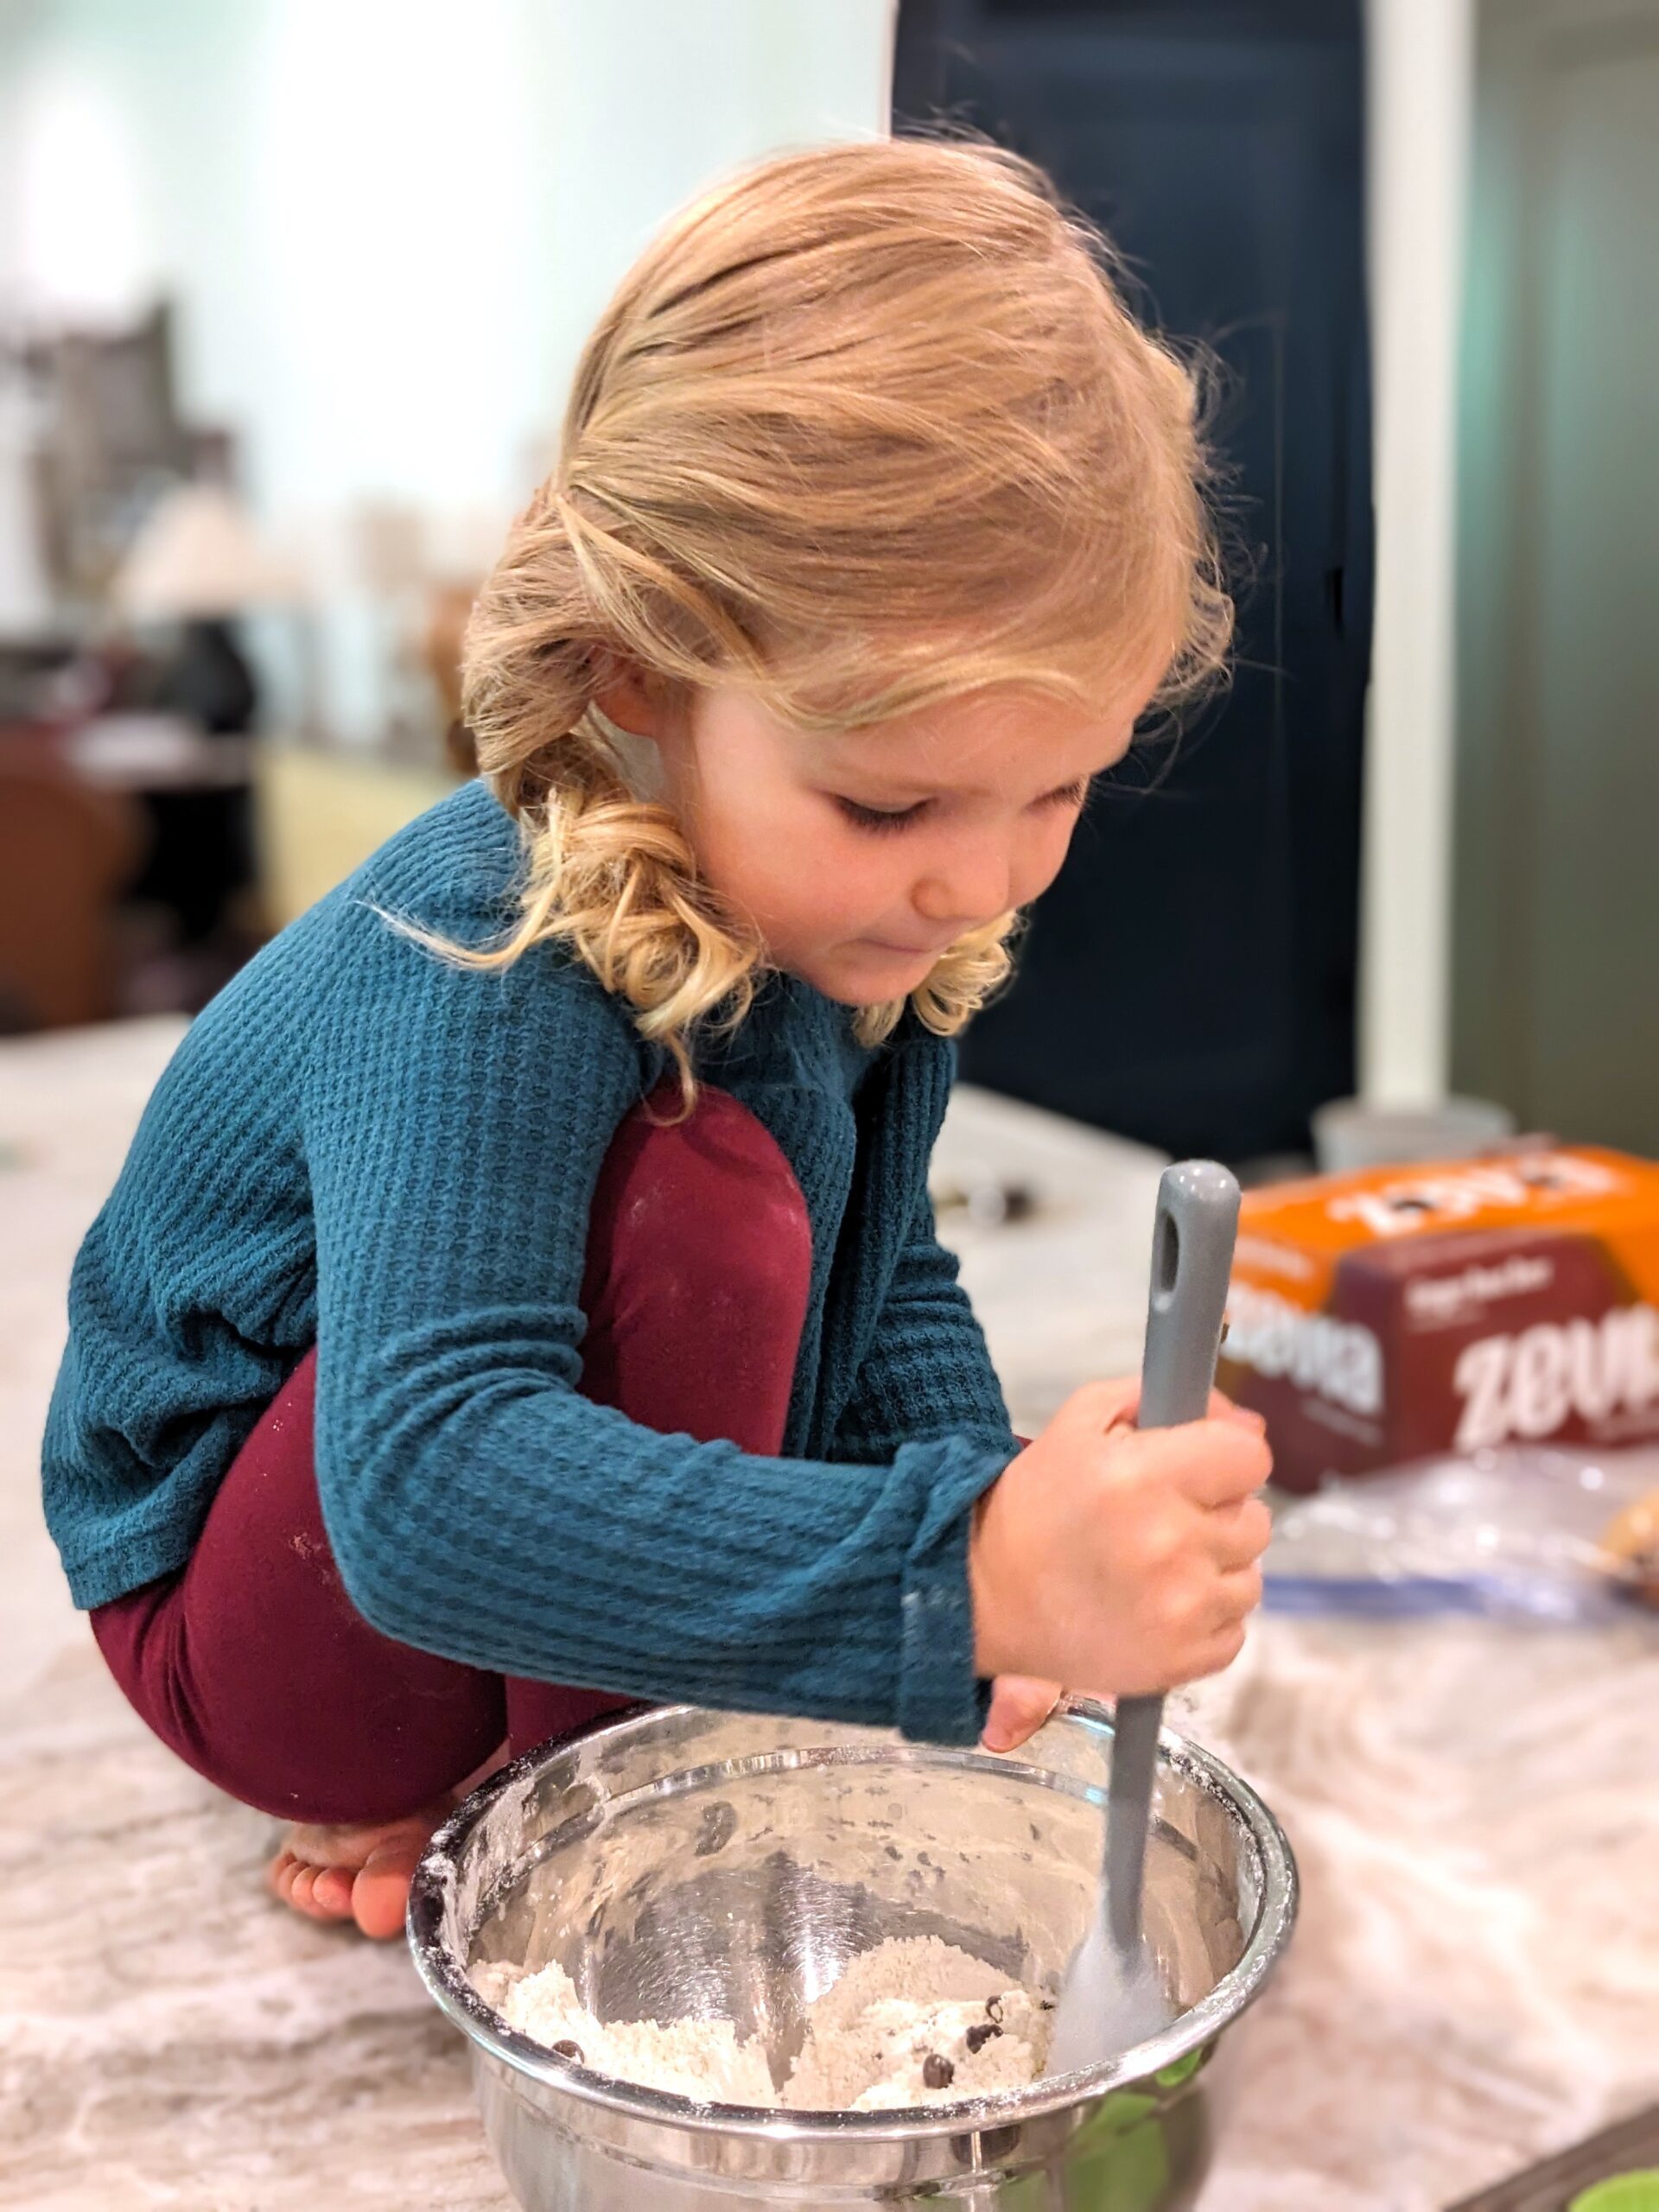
{"points": [[197, 556]]}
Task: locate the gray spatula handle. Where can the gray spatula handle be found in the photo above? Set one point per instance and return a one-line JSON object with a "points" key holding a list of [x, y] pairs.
{"points": [[1191, 1263]]}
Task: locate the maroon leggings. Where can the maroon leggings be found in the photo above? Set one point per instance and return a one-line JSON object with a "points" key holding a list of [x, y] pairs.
{"points": [[252, 1663]]}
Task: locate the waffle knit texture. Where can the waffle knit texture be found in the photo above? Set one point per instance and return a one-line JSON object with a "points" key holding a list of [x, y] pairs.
{"points": [[363, 1144]]}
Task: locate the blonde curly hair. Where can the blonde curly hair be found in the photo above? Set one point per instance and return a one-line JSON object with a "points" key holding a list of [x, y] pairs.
{"points": [[864, 427]]}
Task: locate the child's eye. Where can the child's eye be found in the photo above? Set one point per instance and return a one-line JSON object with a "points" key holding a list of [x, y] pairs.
{"points": [[1071, 795], [879, 818]]}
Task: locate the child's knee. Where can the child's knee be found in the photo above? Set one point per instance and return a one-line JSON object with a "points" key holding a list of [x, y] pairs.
{"points": [[699, 1230]]}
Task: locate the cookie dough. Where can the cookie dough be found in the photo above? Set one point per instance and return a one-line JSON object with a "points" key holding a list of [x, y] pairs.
{"points": [[913, 2022], [916, 2022]]}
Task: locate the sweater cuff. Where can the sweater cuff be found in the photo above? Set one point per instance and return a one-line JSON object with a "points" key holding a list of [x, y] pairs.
{"points": [[941, 1701]]}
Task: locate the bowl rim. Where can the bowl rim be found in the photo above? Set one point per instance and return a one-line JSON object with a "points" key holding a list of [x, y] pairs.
{"points": [[447, 1983]]}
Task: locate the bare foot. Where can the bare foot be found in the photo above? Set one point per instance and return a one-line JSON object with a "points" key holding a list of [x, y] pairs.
{"points": [[354, 1871], [361, 1870]]}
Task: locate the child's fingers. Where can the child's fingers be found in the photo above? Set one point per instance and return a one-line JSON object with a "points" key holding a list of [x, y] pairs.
{"points": [[1217, 1655], [1223, 1408], [1114, 1405], [1236, 1597], [1227, 1648], [1102, 1406], [1019, 1707], [1238, 1535], [1216, 1463]]}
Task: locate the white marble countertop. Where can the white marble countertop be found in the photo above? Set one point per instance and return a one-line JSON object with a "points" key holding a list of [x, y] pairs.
{"points": [[1476, 1980]]}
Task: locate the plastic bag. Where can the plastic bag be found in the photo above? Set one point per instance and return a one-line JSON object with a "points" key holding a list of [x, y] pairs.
{"points": [[1514, 1533]]}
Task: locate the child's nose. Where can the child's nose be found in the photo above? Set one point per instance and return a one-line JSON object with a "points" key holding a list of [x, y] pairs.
{"points": [[974, 885]]}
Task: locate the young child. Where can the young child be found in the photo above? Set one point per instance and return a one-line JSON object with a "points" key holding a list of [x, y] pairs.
{"points": [[524, 1274]]}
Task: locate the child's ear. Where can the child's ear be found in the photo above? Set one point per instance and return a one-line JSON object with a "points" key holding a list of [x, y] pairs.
{"points": [[626, 697]]}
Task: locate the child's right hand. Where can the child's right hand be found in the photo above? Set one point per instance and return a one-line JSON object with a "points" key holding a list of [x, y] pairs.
{"points": [[1120, 1560]]}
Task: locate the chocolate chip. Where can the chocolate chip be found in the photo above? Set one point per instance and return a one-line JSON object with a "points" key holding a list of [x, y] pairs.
{"points": [[719, 1827], [993, 2008], [565, 2049], [977, 2038], [937, 2072], [1046, 2004]]}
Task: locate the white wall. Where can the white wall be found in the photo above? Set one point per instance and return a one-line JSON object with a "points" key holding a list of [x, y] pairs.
{"points": [[1420, 124], [389, 223]]}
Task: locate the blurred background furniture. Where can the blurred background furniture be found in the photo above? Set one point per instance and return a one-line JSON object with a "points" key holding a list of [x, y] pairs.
{"points": [[66, 851], [110, 436], [196, 572], [321, 813]]}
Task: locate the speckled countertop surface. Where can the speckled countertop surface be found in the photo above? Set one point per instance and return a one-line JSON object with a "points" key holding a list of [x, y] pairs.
{"points": [[1476, 1980]]}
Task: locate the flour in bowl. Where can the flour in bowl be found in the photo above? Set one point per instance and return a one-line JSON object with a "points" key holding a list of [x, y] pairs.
{"points": [[913, 2022], [701, 2059]]}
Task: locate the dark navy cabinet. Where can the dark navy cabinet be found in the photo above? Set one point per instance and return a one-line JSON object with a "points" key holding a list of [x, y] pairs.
{"points": [[1190, 979]]}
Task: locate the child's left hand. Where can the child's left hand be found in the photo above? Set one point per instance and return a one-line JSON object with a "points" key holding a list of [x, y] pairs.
{"points": [[1019, 1708]]}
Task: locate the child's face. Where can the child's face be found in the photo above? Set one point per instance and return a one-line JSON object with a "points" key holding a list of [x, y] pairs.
{"points": [[860, 858]]}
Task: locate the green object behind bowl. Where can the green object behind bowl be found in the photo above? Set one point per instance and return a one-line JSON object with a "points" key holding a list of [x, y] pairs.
{"points": [[1623, 2193]]}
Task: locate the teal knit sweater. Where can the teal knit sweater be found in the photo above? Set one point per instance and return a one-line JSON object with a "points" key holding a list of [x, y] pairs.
{"points": [[360, 1144]]}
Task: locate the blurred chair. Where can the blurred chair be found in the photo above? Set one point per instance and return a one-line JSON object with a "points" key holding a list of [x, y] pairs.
{"points": [[65, 853]]}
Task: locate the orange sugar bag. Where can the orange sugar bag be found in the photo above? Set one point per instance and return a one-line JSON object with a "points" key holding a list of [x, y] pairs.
{"points": [[1383, 1316]]}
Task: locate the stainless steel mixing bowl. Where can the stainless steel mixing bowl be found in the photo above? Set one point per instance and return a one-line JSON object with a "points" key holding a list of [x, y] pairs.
{"points": [[680, 1862]]}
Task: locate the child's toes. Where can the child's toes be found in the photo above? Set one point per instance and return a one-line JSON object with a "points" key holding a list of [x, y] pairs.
{"points": [[289, 1877], [358, 1870], [297, 1886], [331, 1891], [300, 1892], [379, 1894]]}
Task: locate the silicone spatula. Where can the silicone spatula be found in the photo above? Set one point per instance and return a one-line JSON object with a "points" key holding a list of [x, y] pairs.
{"points": [[1112, 1998]]}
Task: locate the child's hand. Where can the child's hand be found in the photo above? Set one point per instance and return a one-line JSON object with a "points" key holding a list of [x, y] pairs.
{"points": [[1122, 1560], [1019, 1708]]}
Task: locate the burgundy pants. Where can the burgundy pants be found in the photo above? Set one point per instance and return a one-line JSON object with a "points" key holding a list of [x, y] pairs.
{"points": [[252, 1663]]}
